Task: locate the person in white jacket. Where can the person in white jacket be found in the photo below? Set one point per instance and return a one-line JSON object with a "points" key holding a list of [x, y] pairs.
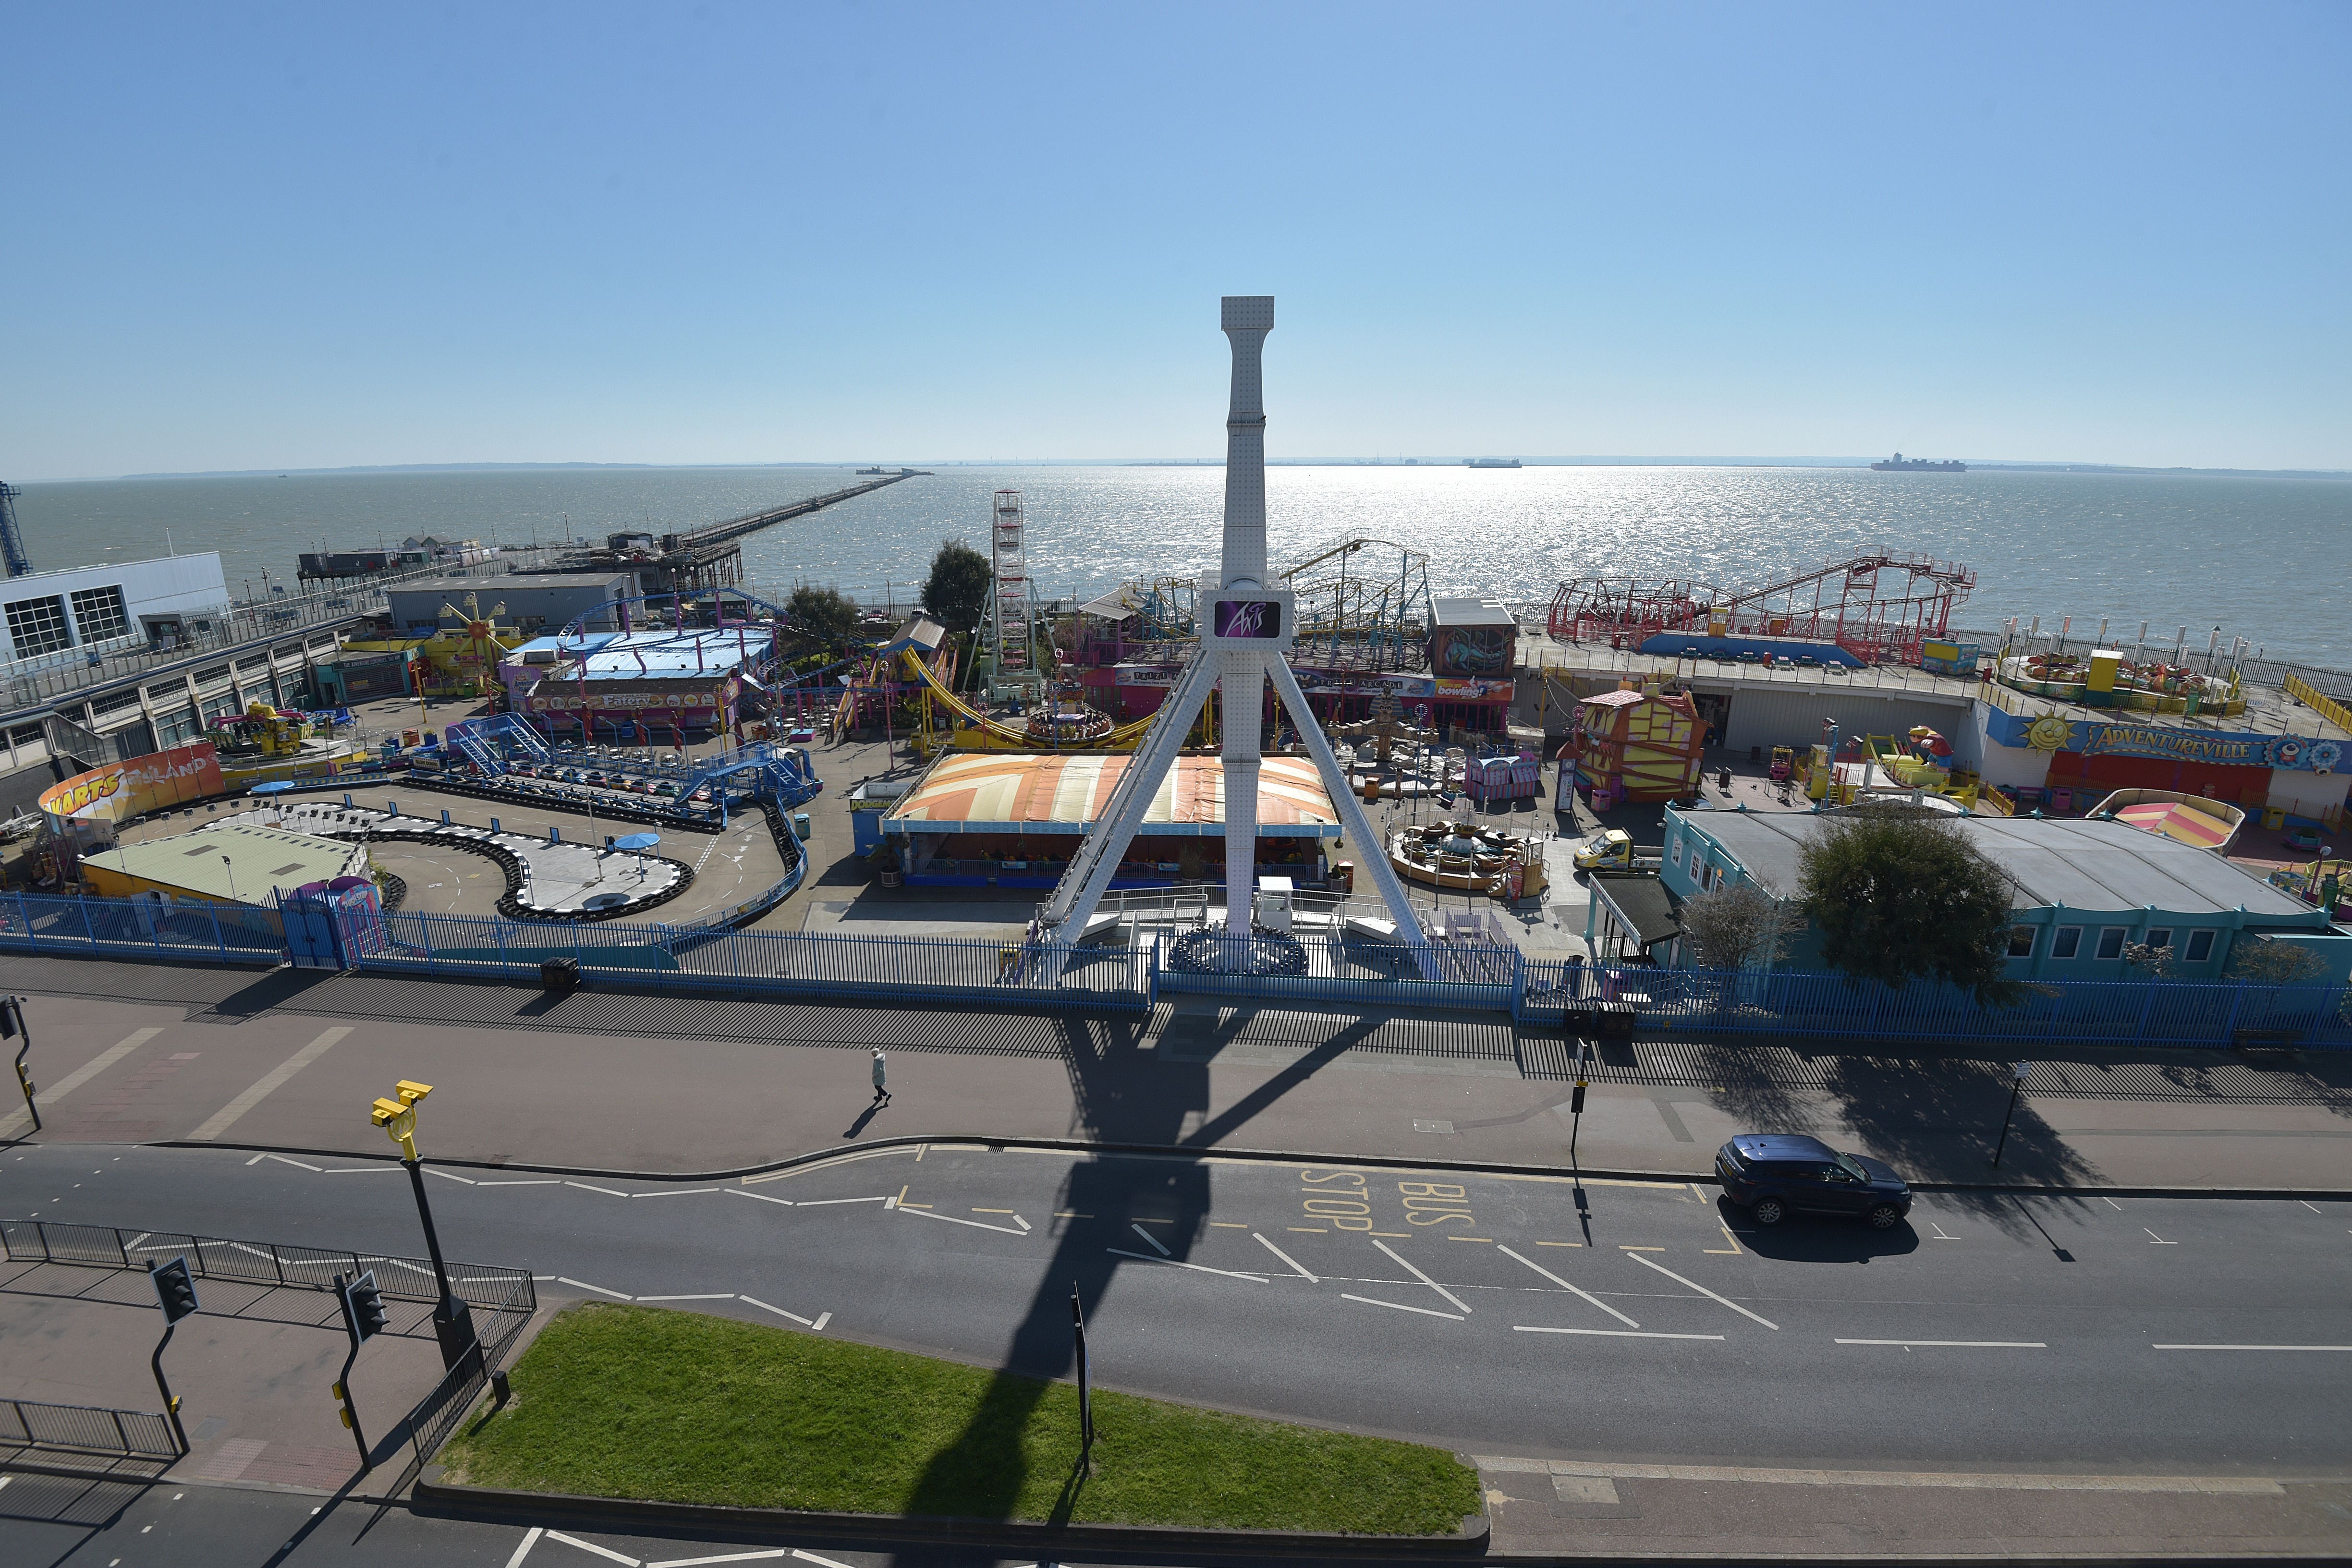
{"points": [[881, 1080]]}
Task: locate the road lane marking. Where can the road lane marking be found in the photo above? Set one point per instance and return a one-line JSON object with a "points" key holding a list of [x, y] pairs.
{"points": [[1022, 1223], [716, 1296], [1228, 1225], [1154, 1240], [591, 1546], [282, 1160], [1400, 1307], [1703, 1291], [435, 1170], [954, 1219], [600, 1290], [677, 1192], [17, 1121], [1423, 1277], [730, 1557], [523, 1551], [608, 1192], [991, 1211], [535, 1181], [1180, 1263], [1286, 1257], [1622, 1247], [2338, 1347], [822, 1202], [2309, 1205], [820, 1562], [359, 1170], [1954, 1343], [1560, 1243], [1732, 1252], [1309, 1229], [824, 1165], [227, 1116], [2154, 1239], [778, 1311], [1489, 1240], [257, 1160], [1612, 1334], [1939, 1235], [822, 1319], [763, 1196], [1564, 1285], [2110, 1203]]}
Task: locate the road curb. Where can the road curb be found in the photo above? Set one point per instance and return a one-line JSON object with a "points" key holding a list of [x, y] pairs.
{"points": [[886, 1529], [1176, 1151]]}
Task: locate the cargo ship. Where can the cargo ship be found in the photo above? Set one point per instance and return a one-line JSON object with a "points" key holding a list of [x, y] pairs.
{"points": [[1490, 463], [1898, 464]]}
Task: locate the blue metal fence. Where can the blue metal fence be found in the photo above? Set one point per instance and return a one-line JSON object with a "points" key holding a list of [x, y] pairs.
{"points": [[134, 927]]}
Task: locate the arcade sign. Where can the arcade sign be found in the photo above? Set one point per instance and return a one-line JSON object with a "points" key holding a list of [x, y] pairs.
{"points": [[1255, 620]]}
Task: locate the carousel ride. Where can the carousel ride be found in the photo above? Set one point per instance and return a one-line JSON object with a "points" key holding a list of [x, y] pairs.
{"points": [[2150, 684], [1466, 856]]}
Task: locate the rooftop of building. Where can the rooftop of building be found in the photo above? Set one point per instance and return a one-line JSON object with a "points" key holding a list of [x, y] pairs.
{"points": [[2093, 866], [1465, 611], [1013, 792], [239, 861]]}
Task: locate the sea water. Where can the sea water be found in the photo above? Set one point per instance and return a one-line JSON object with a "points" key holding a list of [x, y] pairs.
{"points": [[2256, 556]]}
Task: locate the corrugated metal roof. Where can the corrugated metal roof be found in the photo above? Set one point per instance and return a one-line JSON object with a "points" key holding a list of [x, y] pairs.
{"points": [[634, 656], [2093, 866]]}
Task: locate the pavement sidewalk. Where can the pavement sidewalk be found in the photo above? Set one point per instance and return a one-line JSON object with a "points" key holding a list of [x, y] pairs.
{"points": [[127, 1053]]}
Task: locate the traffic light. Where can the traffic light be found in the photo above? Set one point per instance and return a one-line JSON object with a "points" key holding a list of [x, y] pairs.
{"points": [[363, 1307], [175, 1289]]}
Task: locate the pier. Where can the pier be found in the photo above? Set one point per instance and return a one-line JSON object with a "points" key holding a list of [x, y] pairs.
{"points": [[752, 522]]}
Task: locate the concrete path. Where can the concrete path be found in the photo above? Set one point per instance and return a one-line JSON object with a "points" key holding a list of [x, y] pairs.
{"points": [[129, 1053]]}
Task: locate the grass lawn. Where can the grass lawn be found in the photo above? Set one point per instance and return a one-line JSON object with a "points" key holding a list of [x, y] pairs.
{"points": [[643, 1402]]}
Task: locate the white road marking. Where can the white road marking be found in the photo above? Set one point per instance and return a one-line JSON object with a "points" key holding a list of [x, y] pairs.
{"points": [[2341, 1347], [1423, 1277], [359, 1170], [1613, 1333], [2309, 1205], [1180, 1263], [17, 1121], [1940, 1232], [1156, 1247], [435, 1170], [730, 1557], [1750, 1475], [1955, 1344], [282, 1160], [258, 1159], [1400, 1307], [717, 1296], [822, 1319], [820, 1562], [222, 1120], [591, 1546], [1286, 1257], [822, 1202], [763, 1196], [1564, 1285], [600, 1290], [524, 1549], [952, 1220], [677, 1192], [778, 1311], [1022, 1223], [2159, 1240], [608, 1192], [2110, 1203], [1703, 1291], [536, 1181]]}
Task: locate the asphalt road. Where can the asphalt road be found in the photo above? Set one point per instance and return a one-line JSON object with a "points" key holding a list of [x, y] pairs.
{"points": [[1497, 1315]]}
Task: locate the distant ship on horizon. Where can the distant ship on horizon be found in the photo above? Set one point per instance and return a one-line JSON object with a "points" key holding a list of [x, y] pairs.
{"points": [[1898, 464], [1490, 463]]}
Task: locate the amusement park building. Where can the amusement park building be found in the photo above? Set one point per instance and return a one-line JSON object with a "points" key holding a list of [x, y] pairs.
{"points": [[2082, 891]]}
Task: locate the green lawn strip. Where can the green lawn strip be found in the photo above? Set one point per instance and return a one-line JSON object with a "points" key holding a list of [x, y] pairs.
{"points": [[643, 1402]]}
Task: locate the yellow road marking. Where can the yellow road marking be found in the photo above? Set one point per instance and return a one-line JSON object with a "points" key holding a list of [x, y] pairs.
{"points": [[1489, 1240], [991, 1211], [1732, 1252], [1070, 1213], [1229, 1225], [1560, 1243], [1392, 1235], [1623, 1248], [1311, 1230]]}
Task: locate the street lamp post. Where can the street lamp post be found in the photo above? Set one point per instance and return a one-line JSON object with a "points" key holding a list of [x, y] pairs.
{"points": [[453, 1320], [2016, 1086]]}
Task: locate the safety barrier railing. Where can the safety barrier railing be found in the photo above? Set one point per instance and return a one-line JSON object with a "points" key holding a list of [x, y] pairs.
{"points": [[2318, 702], [133, 927], [87, 1429], [2081, 1012]]}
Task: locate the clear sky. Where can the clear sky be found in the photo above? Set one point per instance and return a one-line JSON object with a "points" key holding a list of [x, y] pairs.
{"points": [[283, 236]]}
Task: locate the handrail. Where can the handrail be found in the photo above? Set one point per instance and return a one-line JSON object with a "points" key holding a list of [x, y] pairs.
{"points": [[2319, 702]]}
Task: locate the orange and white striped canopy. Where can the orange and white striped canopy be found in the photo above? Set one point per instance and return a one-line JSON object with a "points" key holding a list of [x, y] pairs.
{"points": [[2184, 824], [1013, 792]]}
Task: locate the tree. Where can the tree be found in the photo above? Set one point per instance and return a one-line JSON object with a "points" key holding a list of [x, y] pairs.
{"points": [[956, 593], [1739, 926], [1899, 894], [2269, 962], [822, 614]]}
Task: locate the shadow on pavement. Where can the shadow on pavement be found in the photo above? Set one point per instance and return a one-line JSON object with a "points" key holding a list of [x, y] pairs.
{"points": [[1818, 1238]]}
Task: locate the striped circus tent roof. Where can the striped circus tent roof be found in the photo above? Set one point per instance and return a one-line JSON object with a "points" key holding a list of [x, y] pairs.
{"points": [[2185, 823], [1013, 792]]}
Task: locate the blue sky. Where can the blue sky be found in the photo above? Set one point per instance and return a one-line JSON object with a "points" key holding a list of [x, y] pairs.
{"points": [[288, 236]]}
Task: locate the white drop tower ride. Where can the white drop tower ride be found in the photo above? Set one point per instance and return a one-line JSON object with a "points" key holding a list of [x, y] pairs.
{"points": [[1245, 627]]}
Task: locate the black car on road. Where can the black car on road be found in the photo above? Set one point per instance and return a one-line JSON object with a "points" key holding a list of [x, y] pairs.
{"points": [[1770, 1174]]}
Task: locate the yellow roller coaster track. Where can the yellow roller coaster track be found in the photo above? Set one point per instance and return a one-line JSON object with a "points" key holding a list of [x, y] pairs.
{"points": [[1124, 737]]}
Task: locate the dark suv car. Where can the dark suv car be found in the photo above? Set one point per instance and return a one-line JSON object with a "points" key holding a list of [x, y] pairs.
{"points": [[1769, 1174]]}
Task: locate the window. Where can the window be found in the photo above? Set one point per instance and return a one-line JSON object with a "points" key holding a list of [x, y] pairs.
{"points": [[171, 691], [2021, 941], [37, 626], [99, 614], [2200, 946], [2159, 935], [217, 673], [115, 702], [1674, 849], [2066, 942], [33, 735], [2111, 941]]}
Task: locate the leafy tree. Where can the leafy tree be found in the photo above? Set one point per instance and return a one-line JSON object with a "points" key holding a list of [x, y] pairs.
{"points": [[2273, 963], [822, 614], [2155, 963], [956, 593], [1899, 894], [1738, 926]]}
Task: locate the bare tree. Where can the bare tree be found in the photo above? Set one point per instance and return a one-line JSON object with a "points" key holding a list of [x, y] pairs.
{"points": [[1739, 926], [2268, 962], [2155, 963]]}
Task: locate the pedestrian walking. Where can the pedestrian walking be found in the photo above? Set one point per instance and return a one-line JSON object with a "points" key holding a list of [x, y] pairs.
{"points": [[881, 1080]]}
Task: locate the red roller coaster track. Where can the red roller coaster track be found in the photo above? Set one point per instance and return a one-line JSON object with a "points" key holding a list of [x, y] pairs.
{"points": [[1879, 607]]}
